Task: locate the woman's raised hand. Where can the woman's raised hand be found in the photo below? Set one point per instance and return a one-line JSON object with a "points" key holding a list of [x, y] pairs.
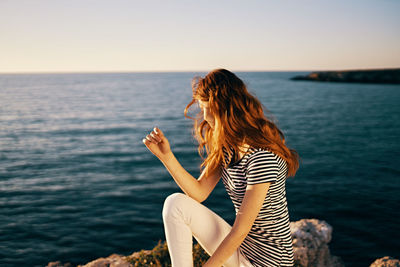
{"points": [[157, 143]]}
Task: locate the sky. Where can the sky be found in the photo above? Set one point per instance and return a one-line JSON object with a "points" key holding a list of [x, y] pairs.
{"points": [[176, 35]]}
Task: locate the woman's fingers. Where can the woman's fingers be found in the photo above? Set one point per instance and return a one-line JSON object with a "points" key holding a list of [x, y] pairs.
{"points": [[158, 132], [155, 136], [146, 141], [151, 139]]}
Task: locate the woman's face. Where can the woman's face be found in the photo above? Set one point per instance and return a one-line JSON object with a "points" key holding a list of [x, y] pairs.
{"points": [[206, 113]]}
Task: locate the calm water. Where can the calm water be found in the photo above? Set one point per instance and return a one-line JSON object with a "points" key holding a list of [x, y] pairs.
{"points": [[77, 183]]}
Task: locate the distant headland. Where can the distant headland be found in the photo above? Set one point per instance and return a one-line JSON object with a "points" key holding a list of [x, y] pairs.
{"points": [[387, 76]]}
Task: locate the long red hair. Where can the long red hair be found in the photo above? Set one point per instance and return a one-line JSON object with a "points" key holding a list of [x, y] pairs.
{"points": [[239, 118]]}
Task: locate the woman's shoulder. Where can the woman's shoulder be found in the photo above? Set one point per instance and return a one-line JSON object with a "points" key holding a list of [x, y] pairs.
{"points": [[254, 154], [258, 156], [262, 158], [261, 152]]}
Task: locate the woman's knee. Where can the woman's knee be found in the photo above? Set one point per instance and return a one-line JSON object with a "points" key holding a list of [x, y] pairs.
{"points": [[172, 203]]}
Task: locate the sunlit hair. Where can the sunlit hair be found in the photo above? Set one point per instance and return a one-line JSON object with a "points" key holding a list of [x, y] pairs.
{"points": [[239, 118]]}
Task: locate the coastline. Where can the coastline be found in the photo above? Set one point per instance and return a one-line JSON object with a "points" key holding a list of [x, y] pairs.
{"points": [[310, 245], [384, 76]]}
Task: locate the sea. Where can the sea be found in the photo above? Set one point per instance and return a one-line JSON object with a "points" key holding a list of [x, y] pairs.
{"points": [[77, 183]]}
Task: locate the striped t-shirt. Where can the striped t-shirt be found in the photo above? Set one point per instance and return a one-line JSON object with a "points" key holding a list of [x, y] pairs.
{"points": [[269, 242]]}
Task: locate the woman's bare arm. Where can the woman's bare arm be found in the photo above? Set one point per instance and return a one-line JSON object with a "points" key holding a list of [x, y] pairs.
{"points": [[199, 189], [251, 206]]}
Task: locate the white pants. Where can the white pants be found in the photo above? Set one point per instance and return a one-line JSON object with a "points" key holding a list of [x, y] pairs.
{"points": [[183, 218]]}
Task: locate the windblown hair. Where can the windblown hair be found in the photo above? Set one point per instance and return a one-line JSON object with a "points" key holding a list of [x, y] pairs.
{"points": [[239, 118]]}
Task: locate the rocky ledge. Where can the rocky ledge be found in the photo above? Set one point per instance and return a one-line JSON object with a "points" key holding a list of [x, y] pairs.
{"points": [[387, 76], [310, 244]]}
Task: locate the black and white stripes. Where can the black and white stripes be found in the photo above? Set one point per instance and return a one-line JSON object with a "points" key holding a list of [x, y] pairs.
{"points": [[269, 241]]}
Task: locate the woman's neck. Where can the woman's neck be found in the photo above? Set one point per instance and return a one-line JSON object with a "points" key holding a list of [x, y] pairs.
{"points": [[245, 148]]}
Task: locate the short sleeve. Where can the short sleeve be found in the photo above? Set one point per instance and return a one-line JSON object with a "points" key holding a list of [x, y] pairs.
{"points": [[262, 167]]}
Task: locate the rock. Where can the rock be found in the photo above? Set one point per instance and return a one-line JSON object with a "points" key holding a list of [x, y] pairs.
{"points": [[386, 261], [389, 76], [310, 244], [58, 264], [113, 260]]}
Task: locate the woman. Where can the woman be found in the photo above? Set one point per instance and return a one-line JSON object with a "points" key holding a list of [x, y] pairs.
{"points": [[246, 150]]}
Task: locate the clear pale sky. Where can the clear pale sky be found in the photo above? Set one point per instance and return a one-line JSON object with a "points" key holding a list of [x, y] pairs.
{"points": [[116, 35]]}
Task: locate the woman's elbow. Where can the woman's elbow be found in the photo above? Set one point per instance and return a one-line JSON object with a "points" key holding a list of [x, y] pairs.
{"points": [[198, 197], [201, 198]]}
